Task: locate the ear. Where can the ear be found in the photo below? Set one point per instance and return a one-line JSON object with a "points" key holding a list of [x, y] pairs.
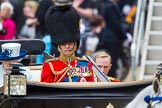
{"points": [[110, 66], [156, 86]]}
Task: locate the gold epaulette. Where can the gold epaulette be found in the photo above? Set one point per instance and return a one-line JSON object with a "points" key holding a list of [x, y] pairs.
{"points": [[113, 79], [52, 59]]}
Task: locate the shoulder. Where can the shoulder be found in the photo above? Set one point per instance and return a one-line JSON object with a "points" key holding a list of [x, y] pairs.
{"points": [[10, 21], [108, 4], [52, 59], [82, 59], [84, 62]]}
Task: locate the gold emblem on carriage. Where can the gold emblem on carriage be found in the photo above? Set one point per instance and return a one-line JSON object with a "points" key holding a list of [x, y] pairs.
{"points": [[110, 106]]}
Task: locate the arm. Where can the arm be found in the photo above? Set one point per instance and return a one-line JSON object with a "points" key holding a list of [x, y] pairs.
{"points": [[86, 12], [46, 75], [10, 28], [92, 78]]}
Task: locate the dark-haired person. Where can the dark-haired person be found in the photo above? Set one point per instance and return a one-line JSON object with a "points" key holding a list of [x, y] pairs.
{"points": [[62, 22], [90, 40], [113, 35]]}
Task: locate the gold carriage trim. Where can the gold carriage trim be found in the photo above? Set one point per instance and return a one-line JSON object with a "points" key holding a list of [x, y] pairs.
{"points": [[110, 106]]}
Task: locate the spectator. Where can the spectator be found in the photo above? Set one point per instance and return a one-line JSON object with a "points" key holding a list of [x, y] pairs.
{"points": [[17, 15], [41, 29], [113, 34], [40, 16], [28, 31], [85, 9], [7, 25], [90, 39]]}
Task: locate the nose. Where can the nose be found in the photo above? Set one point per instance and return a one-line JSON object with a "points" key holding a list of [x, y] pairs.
{"points": [[102, 69], [67, 45]]}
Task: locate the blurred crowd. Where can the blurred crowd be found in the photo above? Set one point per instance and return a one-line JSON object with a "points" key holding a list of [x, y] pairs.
{"points": [[106, 25]]}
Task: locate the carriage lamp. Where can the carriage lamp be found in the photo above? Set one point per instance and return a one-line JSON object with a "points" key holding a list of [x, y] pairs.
{"points": [[159, 73], [15, 83]]}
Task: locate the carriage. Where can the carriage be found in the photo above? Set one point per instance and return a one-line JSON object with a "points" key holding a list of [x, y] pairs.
{"points": [[70, 95]]}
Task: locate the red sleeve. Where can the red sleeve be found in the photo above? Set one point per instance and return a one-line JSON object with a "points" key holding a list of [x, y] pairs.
{"points": [[47, 75]]}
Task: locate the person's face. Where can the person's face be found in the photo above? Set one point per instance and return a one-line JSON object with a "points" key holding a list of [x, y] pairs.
{"points": [[7, 66], [28, 11], [5, 12], [67, 48], [104, 64], [97, 29]]}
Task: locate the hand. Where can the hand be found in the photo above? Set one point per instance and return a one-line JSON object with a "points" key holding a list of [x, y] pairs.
{"points": [[128, 41], [30, 21]]}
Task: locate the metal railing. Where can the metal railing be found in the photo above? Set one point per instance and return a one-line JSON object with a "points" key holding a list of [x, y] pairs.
{"points": [[138, 34]]}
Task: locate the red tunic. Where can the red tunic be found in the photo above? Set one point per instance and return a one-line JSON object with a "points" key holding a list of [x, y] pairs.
{"points": [[60, 74]]}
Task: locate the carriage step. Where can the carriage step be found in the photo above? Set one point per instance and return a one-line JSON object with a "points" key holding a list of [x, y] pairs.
{"points": [[151, 62], [148, 76], [155, 32], [157, 18], [154, 47], [157, 4]]}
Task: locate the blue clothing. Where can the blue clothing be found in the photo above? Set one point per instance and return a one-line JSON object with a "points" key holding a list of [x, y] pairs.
{"points": [[48, 44]]}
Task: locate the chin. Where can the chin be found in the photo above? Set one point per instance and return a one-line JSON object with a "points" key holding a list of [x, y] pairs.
{"points": [[69, 55]]}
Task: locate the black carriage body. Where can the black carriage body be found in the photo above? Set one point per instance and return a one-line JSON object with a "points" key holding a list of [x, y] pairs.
{"points": [[76, 95]]}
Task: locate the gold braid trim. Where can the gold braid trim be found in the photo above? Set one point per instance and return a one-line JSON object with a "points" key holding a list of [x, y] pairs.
{"points": [[56, 72], [65, 70]]}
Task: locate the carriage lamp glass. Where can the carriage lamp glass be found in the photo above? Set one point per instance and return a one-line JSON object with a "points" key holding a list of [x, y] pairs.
{"points": [[15, 85]]}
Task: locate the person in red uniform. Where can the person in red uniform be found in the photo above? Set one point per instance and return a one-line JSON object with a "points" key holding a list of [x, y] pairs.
{"points": [[62, 23]]}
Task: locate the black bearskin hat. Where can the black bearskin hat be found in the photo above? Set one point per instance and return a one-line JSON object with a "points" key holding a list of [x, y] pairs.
{"points": [[62, 23]]}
